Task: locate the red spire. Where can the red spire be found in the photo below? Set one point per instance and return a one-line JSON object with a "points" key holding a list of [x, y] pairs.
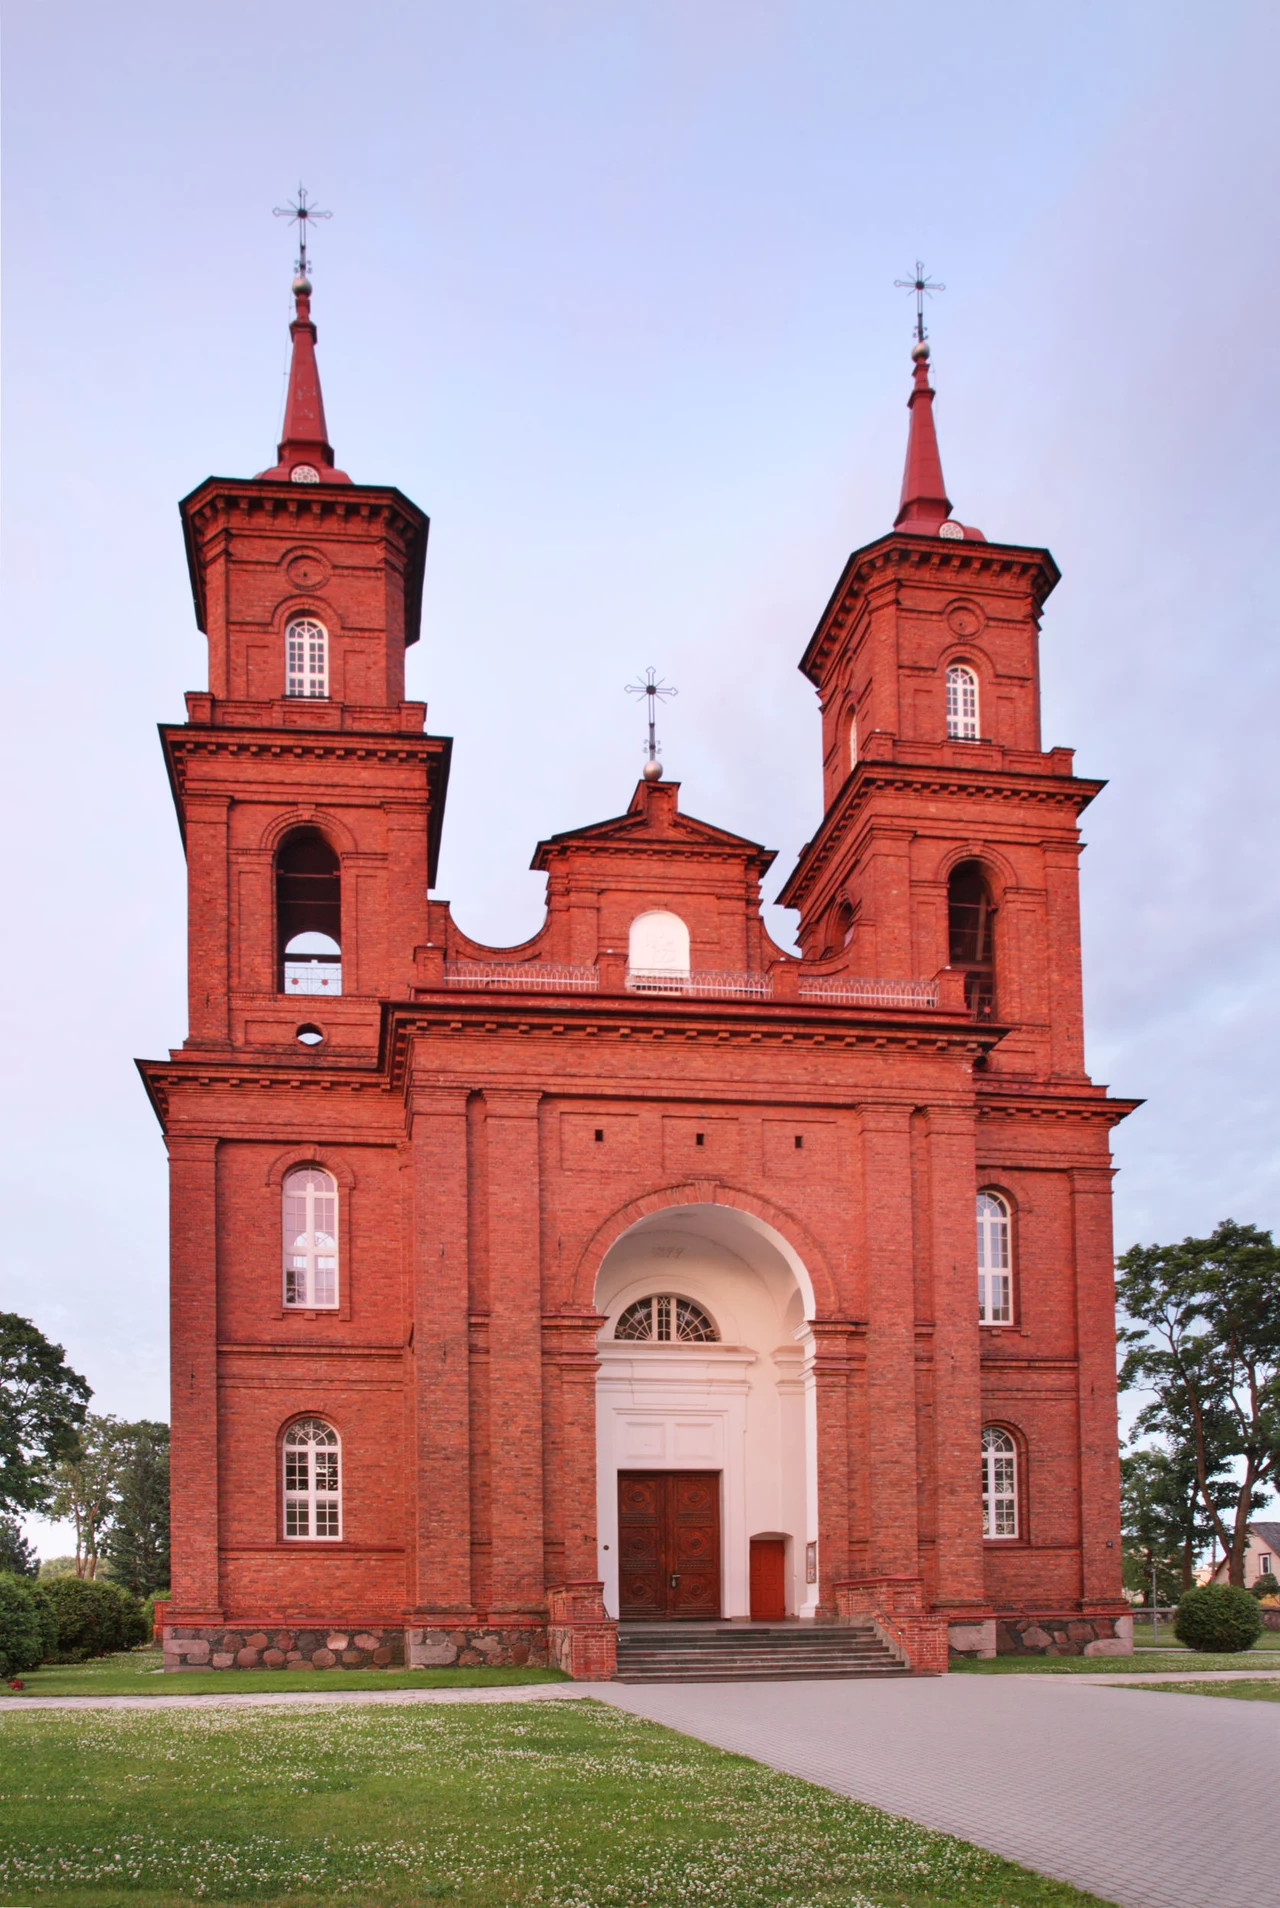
{"points": [[305, 454], [925, 503]]}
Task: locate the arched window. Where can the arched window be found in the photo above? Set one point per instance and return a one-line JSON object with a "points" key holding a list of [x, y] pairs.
{"points": [[309, 915], [853, 739], [999, 1483], [962, 704], [668, 1320], [658, 953], [310, 1239], [995, 1263], [306, 656], [312, 1480], [970, 916], [838, 928]]}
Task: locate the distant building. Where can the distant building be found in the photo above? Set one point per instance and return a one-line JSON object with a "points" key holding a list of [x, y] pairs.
{"points": [[1261, 1558]]}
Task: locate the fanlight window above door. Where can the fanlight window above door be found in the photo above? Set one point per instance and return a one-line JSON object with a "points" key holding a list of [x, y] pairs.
{"points": [[666, 1319]]}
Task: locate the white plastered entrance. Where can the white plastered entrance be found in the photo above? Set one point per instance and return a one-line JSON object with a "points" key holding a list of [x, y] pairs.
{"points": [[743, 1406]]}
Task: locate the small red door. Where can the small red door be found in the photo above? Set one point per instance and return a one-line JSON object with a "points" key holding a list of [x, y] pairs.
{"points": [[768, 1578]]}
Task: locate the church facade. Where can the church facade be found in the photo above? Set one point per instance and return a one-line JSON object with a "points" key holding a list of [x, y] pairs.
{"points": [[643, 1272]]}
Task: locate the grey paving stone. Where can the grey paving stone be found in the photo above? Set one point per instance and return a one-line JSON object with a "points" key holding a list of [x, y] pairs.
{"points": [[1148, 1800]]}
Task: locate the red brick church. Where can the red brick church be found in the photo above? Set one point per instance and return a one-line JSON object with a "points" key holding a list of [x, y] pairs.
{"points": [[643, 1273]]}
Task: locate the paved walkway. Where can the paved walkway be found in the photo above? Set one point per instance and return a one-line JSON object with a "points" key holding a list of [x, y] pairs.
{"points": [[1148, 1800]]}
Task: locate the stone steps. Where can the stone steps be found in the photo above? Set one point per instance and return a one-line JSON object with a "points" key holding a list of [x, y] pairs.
{"points": [[741, 1653]]}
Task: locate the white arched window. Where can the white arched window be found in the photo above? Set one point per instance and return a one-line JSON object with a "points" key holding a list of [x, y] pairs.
{"points": [[668, 1320], [999, 1483], [310, 1239], [658, 951], [312, 1480], [853, 739], [995, 1261], [962, 704], [306, 652]]}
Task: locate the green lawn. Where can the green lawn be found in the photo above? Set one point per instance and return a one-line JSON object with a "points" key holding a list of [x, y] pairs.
{"points": [[1149, 1663], [1248, 1692], [138, 1673], [562, 1804]]}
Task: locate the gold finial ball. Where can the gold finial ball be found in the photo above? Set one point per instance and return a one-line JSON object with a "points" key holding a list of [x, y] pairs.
{"points": [[302, 286], [653, 771], [920, 349]]}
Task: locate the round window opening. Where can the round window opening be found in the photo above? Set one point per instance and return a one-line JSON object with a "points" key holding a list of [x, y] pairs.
{"points": [[309, 1035]]}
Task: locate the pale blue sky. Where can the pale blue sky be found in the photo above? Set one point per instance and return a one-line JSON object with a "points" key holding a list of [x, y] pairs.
{"points": [[609, 291]]}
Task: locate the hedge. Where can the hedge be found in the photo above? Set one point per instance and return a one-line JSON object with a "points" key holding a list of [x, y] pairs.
{"points": [[22, 1634], [90, 1617]]}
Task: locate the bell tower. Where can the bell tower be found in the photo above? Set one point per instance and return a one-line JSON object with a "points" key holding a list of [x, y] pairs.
{"points": [[949, 834], [309, 796]]}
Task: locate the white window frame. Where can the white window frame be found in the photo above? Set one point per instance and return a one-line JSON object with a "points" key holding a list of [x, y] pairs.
{"points": [[665, 1321], [309, 1239], [312, 1471], [995, 1258], [1265, 1564], [851, 731], [962, 703], [1000, 1507], [306, 657]]}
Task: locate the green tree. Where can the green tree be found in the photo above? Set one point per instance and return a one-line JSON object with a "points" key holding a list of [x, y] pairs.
{"points": [[1163, 1527], [42, 1405], [16, 1554], [1204, 1339], [86, 1486], [136, 1545]]}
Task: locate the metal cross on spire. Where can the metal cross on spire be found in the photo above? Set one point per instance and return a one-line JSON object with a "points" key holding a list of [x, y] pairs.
{"points": [[923, 287], [653, 687], [300, 214]]}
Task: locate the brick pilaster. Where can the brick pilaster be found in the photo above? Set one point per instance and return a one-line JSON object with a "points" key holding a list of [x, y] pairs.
{"points": [[957, 1377], [193, 1275], [891, 1374], [515, 1350], [441, 1397]]}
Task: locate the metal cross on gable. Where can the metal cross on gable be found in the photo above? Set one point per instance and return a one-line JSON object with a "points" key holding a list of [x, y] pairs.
{"points": [[653, 687], [301, 215], [923, 287]]}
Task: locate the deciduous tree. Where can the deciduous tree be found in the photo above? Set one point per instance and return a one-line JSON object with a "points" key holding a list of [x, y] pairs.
{"points": [[1203, 1338], [42, 1406]]}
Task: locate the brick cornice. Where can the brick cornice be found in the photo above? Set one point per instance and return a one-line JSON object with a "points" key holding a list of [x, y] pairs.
{"points": [[1069, 794], [894, 559]]}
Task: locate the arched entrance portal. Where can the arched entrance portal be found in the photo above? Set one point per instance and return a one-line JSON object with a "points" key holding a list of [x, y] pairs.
{"points": [[705, 1420]]}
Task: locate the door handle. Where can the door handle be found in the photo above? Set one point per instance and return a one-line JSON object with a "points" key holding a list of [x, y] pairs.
{"points": [[674, 1579]]}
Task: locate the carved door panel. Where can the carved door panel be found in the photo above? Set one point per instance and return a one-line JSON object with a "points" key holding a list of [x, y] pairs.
{"points": [[668, 1544]]}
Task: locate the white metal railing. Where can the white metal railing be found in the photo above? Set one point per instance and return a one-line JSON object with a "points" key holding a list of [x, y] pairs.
{"points": [[700, 983], [555, 976], [313, 977], [848, 991]]}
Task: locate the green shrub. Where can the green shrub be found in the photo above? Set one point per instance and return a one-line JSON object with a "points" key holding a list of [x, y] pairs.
{"points": [[1266, 1586], [93, 1618], [21, 1633], [1218, 1617]]}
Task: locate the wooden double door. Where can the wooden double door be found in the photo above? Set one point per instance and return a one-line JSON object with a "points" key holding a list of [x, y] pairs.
{"points": [[668, 1544]]}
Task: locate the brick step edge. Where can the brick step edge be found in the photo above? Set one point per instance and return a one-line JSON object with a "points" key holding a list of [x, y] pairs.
{"points": [[772, 1675]]}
